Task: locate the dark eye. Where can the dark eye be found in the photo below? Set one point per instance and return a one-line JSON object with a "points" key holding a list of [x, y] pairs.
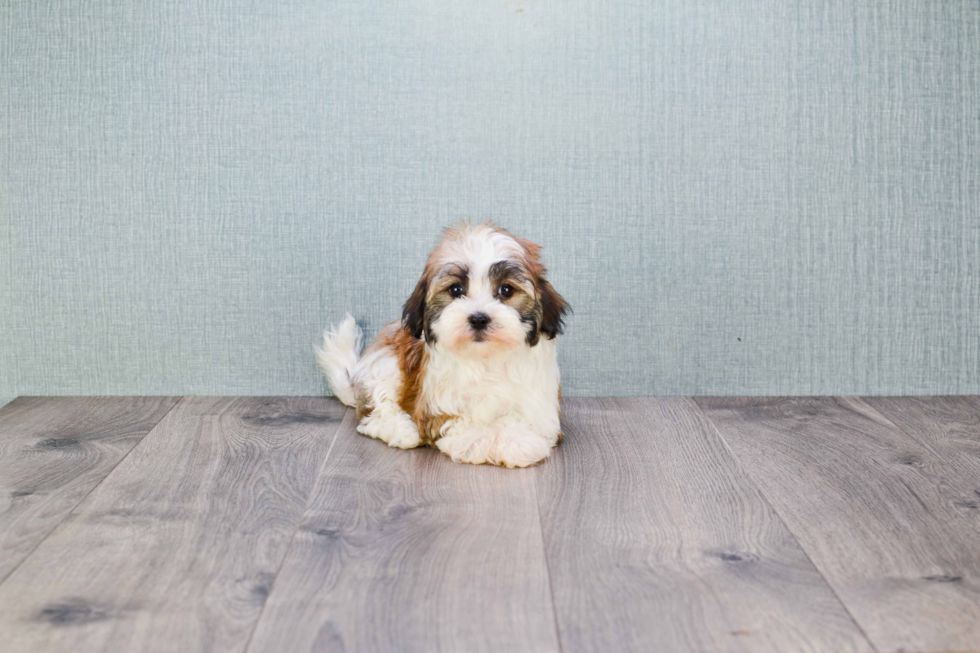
{"points": [[457, 290], [506, 290]]}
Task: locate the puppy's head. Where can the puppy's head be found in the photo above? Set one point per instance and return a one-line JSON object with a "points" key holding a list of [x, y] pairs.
{"points": [[483, 293]]}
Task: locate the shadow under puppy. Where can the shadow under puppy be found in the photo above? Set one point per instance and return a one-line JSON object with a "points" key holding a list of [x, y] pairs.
{"points": [[472, 366]]}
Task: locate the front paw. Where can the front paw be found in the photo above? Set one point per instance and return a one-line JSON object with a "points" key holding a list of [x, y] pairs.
{"points": [[405, 437], [520, 450], [397, 430], [465, 447]]}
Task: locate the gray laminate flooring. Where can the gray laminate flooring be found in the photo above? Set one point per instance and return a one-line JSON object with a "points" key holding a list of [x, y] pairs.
{"points": [[660, 524]]}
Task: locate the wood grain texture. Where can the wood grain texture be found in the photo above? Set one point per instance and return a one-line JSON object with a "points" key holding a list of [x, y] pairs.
{"points": [[177, 548], [408, 551], [53, 451], [875, 510], [658, 541], [947, 426]]}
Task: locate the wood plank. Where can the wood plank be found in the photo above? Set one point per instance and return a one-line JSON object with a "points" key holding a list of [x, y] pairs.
{"points": [[177, 548], [874, 509], [408, 551], [53, 451], [947, 426], [658, 541]]}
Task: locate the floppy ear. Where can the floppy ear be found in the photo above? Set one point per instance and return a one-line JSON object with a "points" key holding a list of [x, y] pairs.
{"points": [[413, 313], [553, 306], [553, 309]]}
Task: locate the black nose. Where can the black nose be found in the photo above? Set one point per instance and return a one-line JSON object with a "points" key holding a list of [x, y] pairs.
{"points": [[479, 321]]}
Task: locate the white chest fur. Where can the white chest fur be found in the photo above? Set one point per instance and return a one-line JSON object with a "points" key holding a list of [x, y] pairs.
{"points": [[522, 385]]}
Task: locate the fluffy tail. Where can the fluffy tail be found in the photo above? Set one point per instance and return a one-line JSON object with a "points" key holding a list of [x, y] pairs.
{"points": [[338, 355]]}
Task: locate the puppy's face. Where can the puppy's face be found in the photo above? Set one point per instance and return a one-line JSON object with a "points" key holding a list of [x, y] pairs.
{"points": [[484, 293]]}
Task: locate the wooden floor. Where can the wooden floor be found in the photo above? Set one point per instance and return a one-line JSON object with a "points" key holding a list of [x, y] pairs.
{"points": [[268, 525]]}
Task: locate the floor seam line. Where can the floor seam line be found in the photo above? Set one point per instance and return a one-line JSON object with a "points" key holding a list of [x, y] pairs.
{"points": [[789, 530], [547, 563], [925, 444], [89, 493], [292, 538]]}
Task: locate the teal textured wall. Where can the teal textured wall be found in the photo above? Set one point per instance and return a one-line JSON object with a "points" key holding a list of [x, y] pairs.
{"points": [[767, 197]]}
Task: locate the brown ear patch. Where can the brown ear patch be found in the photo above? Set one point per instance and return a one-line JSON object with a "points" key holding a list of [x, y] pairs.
{"points": [[413, 312], [554, 308]]}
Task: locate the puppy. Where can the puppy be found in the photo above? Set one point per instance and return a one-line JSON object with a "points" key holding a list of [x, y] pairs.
{"points": [[472, 367]]}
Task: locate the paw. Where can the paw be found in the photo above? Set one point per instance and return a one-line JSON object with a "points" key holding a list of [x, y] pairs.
{"points": [[466, 448], [397, 430], [405, 436], [520, 450]]}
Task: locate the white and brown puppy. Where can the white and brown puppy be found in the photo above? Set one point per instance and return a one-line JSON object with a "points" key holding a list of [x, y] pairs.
{"points": [[471, 368]]}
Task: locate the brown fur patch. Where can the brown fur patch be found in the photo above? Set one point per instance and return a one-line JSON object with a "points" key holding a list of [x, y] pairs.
{"points": [[363, 410], [430, 426], [411, 360], [412, 357]]}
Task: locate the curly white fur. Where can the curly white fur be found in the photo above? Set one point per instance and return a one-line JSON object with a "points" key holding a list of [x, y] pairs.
{"points": [[338, 357]]}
